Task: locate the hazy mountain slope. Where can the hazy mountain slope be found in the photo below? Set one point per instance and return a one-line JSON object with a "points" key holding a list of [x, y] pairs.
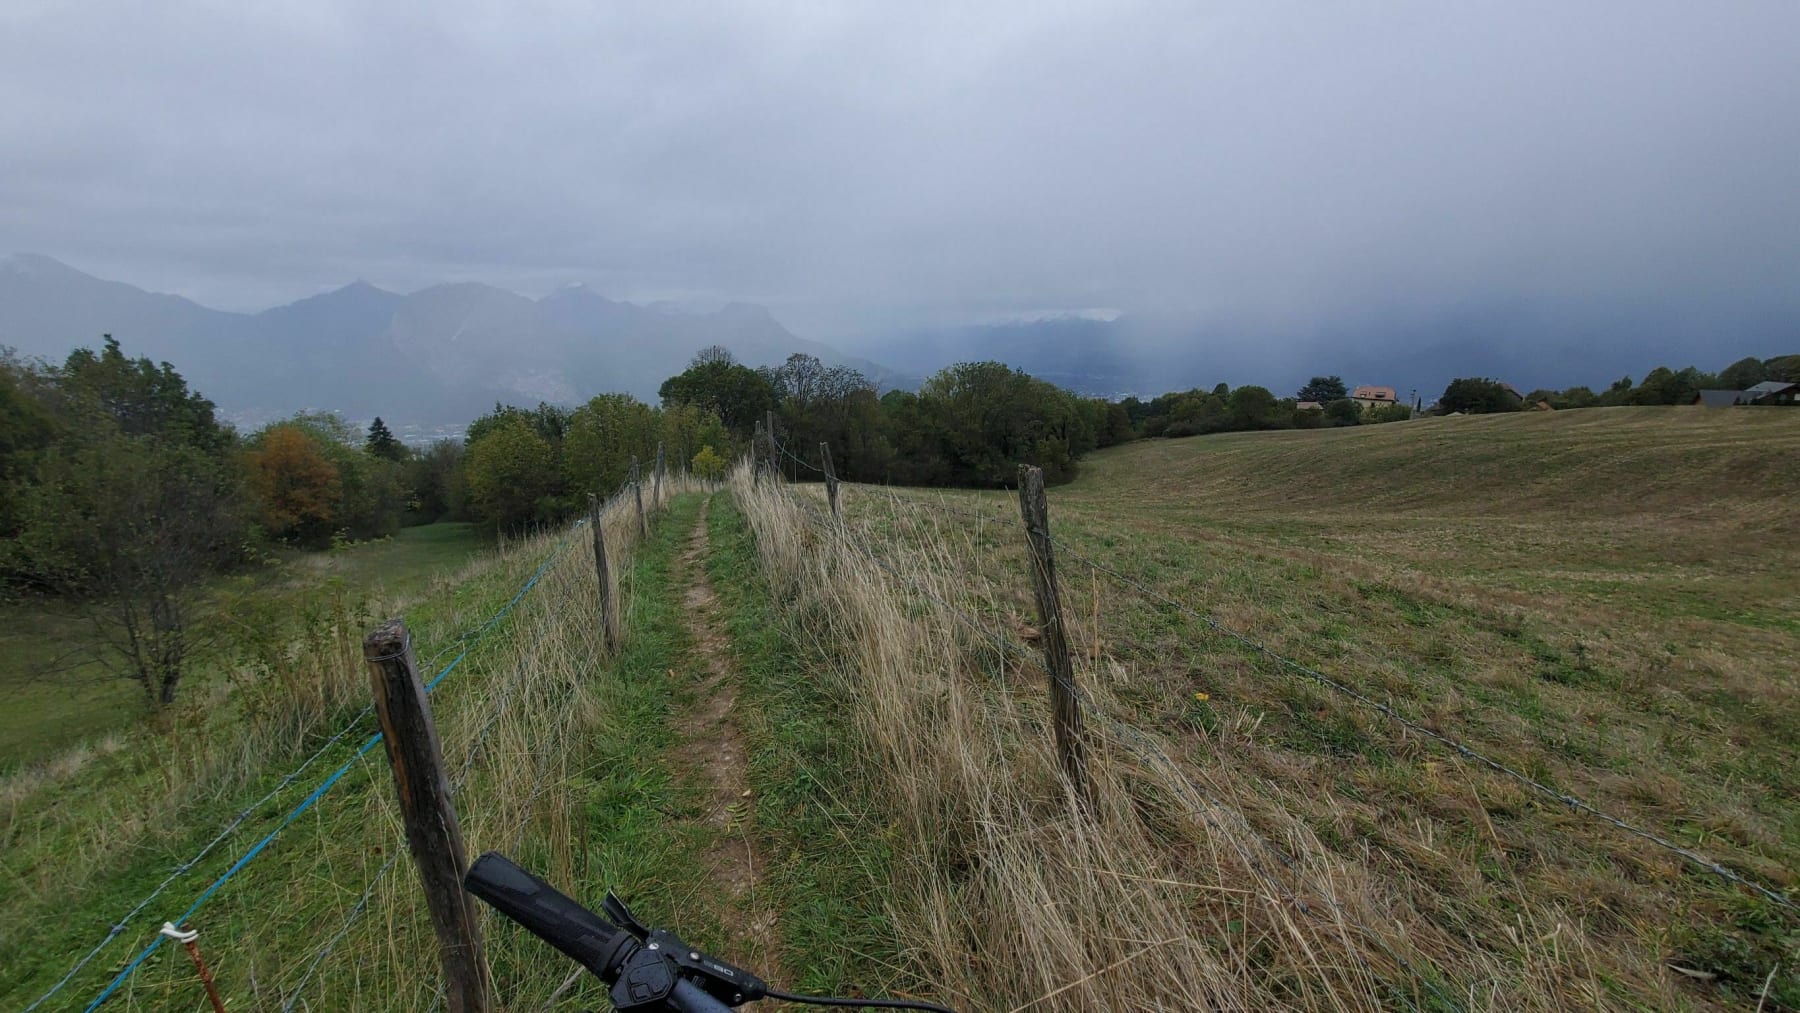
{"points": [[439, 355]]}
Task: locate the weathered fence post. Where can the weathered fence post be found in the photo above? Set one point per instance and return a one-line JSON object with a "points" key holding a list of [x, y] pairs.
{"points": [[831, 482], [656, 499], [609, 622], [756, 443], [1065, 706], [432, 833], [774, 452], [637, 493]]}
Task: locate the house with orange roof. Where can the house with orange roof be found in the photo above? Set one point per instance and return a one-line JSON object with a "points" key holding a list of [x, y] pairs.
{"points": [[1374, 397]]}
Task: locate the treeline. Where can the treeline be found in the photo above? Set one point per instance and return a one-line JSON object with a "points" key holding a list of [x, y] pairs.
{"points": [[1666, 386], [972, 424], [1223, 409]]}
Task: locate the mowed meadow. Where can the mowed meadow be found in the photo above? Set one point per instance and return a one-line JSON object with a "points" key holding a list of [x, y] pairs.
{"points": [[1603, 601]]}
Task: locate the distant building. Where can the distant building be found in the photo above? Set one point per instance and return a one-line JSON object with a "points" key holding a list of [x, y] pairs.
{"points": [[1773, 392], [1543, 406], [1769, 392], [1718, 398], [1309, 406], [1374, 397]]}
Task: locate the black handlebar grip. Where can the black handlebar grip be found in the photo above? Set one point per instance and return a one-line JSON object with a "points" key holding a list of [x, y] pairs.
{"points": [[587, 938]]}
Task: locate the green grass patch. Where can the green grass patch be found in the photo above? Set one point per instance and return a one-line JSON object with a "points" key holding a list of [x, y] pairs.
{"points": [[57, 698]]}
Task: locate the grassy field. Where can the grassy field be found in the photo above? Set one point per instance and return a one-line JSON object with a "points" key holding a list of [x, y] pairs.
{"points": [[1604, 601], [1601, 600], [55, 701]]}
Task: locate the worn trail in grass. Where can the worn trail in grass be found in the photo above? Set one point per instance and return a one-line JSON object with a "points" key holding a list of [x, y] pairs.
{"points": [[714, 757]]}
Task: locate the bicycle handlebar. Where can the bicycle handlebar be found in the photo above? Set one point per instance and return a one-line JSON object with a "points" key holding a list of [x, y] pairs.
{"points": [[648, 970], [547, 913]]}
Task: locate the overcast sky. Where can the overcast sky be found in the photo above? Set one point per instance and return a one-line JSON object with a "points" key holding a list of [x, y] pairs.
{"points": [[860, 166]]}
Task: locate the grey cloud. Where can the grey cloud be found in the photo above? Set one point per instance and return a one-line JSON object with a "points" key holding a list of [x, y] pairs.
{"points": [[862, 167]]}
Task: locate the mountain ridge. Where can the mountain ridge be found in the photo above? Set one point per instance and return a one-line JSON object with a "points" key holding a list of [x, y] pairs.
{"points": [[471, 344]]}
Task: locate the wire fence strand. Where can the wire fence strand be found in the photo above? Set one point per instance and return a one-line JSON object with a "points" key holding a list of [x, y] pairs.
{"points": [[297, 811]]}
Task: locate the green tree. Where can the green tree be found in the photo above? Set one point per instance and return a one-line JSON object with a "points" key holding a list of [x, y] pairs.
{"points": [[140, 397], [1255, 407], [380, 442], [685, 428], [1785, 368], [983, 419], [1474, 395], [716, 383], [1344, 412], [1746, 372], [27, 429], [708, 464], [602, 437], [1323, 389], [434, 478], [511, 475], [128, 528]]}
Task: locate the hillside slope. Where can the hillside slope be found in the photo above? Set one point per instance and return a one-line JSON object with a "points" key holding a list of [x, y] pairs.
{"points": [[1602, 602], [1629, 460]]}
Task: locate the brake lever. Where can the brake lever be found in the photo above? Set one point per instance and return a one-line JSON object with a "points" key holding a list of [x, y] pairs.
{"points": [[620, 915]]}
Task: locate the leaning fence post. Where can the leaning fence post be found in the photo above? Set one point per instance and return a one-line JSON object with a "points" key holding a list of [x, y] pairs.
{"points": [[756, 443], [609, 622], [637, 493], [656, 500], [432, 833], [1065, 706], [831, 482]]}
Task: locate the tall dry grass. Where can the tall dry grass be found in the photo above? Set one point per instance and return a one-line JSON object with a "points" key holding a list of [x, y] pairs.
{"points": [[1186, 888]]}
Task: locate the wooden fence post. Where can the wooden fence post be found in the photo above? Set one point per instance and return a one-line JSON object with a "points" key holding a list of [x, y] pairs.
{"points": [[774, 453], [656, 499], [432, 833], [637, 493], [756, 443], [831, 482], [1065, 707], [609, 620]]}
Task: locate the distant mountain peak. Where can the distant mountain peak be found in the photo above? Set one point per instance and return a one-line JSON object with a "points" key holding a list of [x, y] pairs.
{"points": [[575, 291], [39, 265], [746, 311]]}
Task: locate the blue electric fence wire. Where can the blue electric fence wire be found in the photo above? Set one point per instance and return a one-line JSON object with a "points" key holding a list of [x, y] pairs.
{"points": [[298, 810], [182, 869]]}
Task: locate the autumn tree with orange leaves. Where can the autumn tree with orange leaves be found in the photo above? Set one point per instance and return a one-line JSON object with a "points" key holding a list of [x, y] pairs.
{"points": [[295, 484]]}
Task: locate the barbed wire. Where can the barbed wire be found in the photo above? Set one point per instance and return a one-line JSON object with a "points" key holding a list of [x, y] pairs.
{"points": [[1463, 750], [361, 906], [180, 870], [804, 463], [1003, 644], [319, 792], [1150, 751], [362, 903]]}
